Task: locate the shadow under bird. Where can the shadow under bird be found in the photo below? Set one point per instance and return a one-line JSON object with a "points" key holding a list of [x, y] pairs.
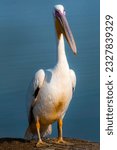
{"points": [[51, 90]]}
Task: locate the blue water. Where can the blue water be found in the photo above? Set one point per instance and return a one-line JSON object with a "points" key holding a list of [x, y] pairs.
{"points": [[27, 43]]}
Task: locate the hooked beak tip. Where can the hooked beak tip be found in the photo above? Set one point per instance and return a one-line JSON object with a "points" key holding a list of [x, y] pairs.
{"points": [[75, 53]]}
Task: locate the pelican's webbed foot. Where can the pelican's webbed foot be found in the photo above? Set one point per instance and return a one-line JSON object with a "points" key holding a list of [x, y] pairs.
{"points": [[60, 140], [39, 143]]}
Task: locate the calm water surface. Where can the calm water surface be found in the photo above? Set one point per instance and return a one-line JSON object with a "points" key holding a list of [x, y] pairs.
{"points": [[27, 43]]}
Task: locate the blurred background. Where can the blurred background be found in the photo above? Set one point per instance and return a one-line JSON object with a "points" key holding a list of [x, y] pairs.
{"points": [[28, 43]]}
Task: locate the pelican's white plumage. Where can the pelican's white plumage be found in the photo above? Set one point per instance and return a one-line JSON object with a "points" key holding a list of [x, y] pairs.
{"points": [[73, 78], [51, 90], [59, 7]]}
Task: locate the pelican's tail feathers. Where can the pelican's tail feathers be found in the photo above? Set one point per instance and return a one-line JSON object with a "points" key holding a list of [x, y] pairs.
{"points": [[30, 131], [28, 134], [46, 130]]}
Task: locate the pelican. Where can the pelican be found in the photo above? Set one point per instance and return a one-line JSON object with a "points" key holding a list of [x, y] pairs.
{"points": [[51, 90]]}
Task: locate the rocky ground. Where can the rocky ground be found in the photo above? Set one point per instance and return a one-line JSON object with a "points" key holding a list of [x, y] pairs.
{"points": [[71, 144]]}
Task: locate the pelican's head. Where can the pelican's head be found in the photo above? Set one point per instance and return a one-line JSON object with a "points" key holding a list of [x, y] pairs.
{"points": [[62, 26]]}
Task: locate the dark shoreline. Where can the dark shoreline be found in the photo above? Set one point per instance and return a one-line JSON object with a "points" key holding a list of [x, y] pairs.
{"points": [[22, 144]]}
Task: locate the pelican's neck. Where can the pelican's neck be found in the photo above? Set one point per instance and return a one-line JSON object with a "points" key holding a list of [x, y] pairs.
{"points": [[62, 59]]}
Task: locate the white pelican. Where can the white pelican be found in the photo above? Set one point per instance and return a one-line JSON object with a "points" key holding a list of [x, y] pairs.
{"points": [[51, 90]]}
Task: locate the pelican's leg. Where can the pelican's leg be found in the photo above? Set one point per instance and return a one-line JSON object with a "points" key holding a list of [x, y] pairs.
{"points": [[60, 132], [38, 132]]}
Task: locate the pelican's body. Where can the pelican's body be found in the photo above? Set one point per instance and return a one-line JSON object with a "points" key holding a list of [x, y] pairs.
{"points": [[54, 96], [51, 92]]}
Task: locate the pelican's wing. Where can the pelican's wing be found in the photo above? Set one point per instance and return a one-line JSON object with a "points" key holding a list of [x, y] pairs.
{"points": [[33, 89], [73, 79]]}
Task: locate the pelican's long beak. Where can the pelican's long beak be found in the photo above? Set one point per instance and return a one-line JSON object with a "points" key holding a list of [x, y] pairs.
{"points": [[62, 26]]}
